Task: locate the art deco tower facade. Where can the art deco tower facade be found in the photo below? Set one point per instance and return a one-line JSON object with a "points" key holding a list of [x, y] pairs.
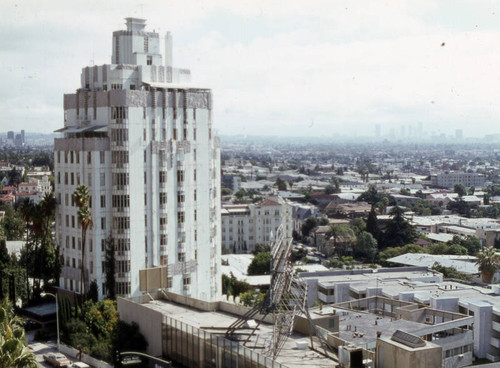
{"points": [[141, 140]]}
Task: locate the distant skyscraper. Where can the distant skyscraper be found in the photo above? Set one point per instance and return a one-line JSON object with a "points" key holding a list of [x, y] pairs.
{"points": [[22, 136], [10, 135], [145, 148]]}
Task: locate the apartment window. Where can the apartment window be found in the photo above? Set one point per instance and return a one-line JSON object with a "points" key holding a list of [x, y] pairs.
{"points": [[163, 239], [180, 176], [163, 222], [194, 154], [174, 133], [71, 156], [132, 87], [194, 174], [67, 220], [119, 157], [195, 235], [181, 257], [65, 157], [119, 112], [145, 199], [180, 197], [73, 242], [66, 199], [185, 133], [103, 246], [144, 134], [121, 201], [123, 266], [145, 156], [67, 242], [169, 281], [102, 156], [195, 214], [72, 178], [89, 157], [102, 179], [149, 60], [120, 223], [180, 217], [77, 156], [103, 223], [73, 262], [194, 195], [72, 221], [163, 198], [186, 281], [58, 178], [146, 224], [120, 179], [103, 201], [163, 177], [194, 134], [163, 134], [65, 178], [58, 157]]}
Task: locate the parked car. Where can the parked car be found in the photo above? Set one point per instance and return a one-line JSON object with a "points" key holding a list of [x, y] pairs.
{"points": [[56, 360], [80, 365]]}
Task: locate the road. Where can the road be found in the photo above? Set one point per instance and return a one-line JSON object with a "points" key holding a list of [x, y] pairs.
{"points": [[40, 348]]}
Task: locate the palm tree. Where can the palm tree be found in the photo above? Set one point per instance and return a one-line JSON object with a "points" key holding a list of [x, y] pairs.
{"points": [[81, 197], [13, 351], [488, 262]]}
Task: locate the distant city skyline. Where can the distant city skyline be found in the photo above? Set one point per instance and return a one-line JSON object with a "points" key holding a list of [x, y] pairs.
{"points": [[319, 68]]}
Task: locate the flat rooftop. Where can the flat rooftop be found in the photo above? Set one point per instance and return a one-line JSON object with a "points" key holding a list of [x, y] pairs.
{"points": [[361, 328], [370, 277], [216, 322]]}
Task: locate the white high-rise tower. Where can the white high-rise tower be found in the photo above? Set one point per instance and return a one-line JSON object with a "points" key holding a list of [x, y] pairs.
{"points": [[140, 138]]}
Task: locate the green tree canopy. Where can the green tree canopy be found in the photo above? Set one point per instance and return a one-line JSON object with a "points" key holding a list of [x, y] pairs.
{"points": [[398, 231], [366, 246], [260, 265], [460, 189]]}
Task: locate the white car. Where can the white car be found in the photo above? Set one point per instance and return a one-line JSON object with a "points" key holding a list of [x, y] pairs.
{"points": [[80, 365], [57, 360]]}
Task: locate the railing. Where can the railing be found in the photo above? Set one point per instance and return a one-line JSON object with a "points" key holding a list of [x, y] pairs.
{"points": [[193, 347]]}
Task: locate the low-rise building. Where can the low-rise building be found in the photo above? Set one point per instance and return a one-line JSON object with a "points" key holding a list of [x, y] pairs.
{"points": [[244, 226], [449, 179]]}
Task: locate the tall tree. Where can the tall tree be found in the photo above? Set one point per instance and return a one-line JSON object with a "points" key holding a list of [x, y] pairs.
{"points": [[488, 263], [460, 189], [399, 231], [81, 196], [110, 265], [372, 224]]}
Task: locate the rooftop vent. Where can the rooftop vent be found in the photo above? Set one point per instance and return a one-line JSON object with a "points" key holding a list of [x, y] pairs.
{"points": [[408, 339]]}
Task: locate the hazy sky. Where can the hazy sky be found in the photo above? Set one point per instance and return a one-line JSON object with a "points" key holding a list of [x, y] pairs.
{"points": [[310, 67]]}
